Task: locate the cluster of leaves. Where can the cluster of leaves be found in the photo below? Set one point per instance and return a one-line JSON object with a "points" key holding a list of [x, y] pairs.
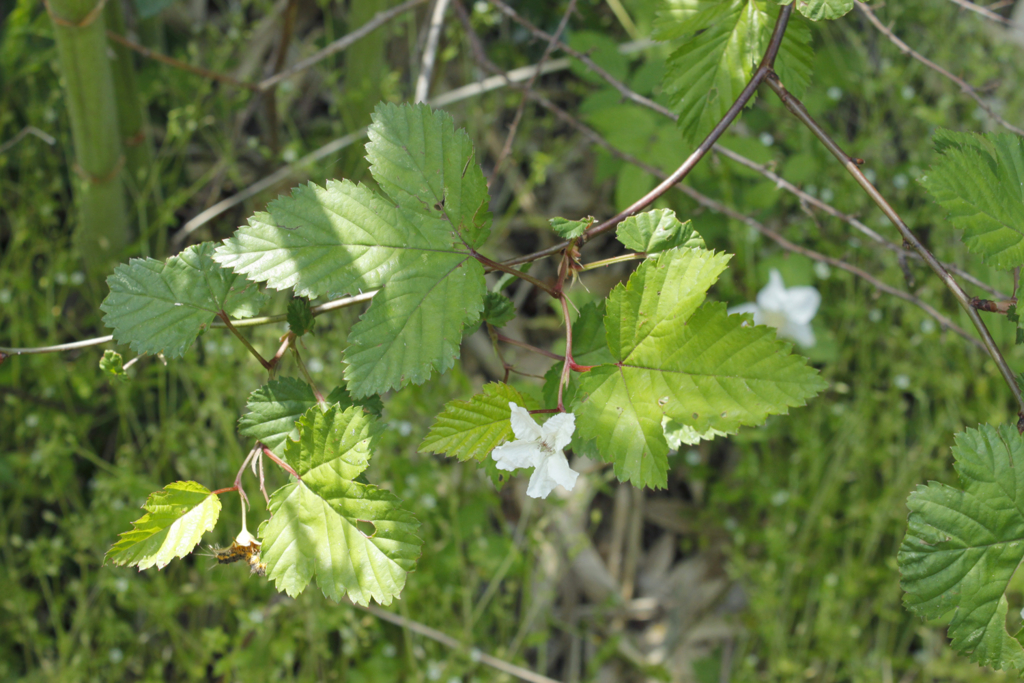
{"points": [[659, 358]]}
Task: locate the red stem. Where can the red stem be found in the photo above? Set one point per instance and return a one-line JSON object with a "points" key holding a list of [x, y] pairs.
{"points": [[281, 463]]}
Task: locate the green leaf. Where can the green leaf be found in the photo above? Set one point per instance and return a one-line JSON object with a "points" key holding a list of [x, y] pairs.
{"points": [[472, 429], [300, 317], [697, 366], [176, 518], [416, 244], [112, 365], [821, 9], [589, 347], [963, 546], [678, 434], [1014, 317], [656, 231], [161, 307], [315, 524], [275, 407], [979, 181], [722, 43], [498, 309], [568, 229], [420, 160]]}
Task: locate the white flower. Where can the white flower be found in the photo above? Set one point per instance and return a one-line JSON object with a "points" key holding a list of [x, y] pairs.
{"points": [[789, 310], [539, 447]]}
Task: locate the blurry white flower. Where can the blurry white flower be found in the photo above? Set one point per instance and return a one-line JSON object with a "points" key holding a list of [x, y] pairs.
{"points": [[789, 310], [539, 447]]}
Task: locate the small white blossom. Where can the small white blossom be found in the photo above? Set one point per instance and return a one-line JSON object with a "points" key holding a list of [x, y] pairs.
{"points": [[789, 310], [539, 447]]}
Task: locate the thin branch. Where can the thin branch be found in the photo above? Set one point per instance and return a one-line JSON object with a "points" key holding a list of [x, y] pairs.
{"points": [[178, 64], [528, 347], [446, 640], [965, 87], [797, 108], [430, 51], [250, 322], [25, 132], [340, 44], [245, 342], [638, 256], [554, 40], [988, 14], [494, 265]]}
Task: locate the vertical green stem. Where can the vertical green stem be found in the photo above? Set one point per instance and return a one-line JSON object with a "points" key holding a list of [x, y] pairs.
{"points": [[131, 111], [80, 32]]}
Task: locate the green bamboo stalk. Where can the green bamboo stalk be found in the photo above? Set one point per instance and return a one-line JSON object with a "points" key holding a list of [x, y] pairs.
{"points": [[131, 112], [80, 33]]}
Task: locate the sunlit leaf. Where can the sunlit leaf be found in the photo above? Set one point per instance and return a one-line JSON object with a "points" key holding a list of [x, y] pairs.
{"points": [[472, 429], [656, 231], [176, 519], [354, 538], [676, 358]]}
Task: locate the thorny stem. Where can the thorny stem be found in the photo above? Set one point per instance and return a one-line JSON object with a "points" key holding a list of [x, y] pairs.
{"points": [[566, 366], [797, 108], [281, 463], [227, 323]]}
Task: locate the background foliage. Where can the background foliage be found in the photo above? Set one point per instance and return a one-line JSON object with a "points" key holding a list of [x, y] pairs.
{"points": [[777, 545]]}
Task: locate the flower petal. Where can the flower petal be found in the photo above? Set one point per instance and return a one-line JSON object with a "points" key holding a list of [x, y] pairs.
{"points": [[802, 304], [801, 334], [517, 454], [524, 426], [773, 296], [553, 471], [558, 430]]}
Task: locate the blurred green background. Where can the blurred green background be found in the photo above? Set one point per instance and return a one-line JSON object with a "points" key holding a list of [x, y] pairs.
{"points": [[770, 557]]}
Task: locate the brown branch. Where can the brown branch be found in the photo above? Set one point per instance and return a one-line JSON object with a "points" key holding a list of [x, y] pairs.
{"points": [[552, 42], [965, 87], [797, 108], [245, 342], [988, 14]]}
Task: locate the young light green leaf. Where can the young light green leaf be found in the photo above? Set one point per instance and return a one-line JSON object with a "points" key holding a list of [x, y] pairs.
{"points": [[979, 180], [567, 229], [112, 365], [314, 530], [656, 231], [963, 546], [420, 160], [275, 407], [300, 317], [707, 72], [821, 9], [161, 307], [713, 372], [176, 518], [498, 309], [679, 434], [472, 429]]}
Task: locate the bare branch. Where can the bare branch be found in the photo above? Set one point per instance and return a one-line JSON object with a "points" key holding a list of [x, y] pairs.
{"points": [[965, 87], [430, 51], [797, 108]]}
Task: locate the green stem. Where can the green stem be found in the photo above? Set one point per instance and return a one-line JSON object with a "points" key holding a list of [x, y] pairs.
{"points": [[80, 33], [131, 112], [305, 373]]}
